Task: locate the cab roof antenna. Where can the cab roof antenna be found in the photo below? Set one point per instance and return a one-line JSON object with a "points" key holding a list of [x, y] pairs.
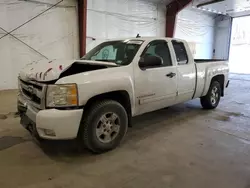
{"points": [[138, 36]]}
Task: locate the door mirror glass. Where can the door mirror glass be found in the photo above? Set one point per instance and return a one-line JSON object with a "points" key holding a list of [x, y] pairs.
{"points": [[150, 62]]}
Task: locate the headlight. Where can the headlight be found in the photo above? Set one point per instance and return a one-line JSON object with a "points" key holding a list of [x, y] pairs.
{"points": [[65, 95]]}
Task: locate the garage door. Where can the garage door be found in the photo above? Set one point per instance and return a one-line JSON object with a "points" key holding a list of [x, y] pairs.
{"points": [[39, 30], [198, 29]]}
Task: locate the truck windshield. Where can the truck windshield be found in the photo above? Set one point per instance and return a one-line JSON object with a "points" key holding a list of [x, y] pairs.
{"points": [[119, 52]]}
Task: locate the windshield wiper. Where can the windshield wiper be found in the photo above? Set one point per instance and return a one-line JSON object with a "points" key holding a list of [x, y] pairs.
{"points": [[105, 60]]}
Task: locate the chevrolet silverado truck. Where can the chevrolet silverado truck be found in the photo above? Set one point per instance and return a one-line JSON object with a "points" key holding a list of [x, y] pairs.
{"points": [[93, 99]]}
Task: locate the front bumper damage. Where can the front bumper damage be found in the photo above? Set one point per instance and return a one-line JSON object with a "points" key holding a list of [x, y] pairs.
{"points": [[52, 124], [25, 121]]}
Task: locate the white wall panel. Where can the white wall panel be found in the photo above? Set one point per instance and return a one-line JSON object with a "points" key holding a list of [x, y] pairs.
{"points": [[198, 29], [54, 34], [222, 37], [109, 19]]}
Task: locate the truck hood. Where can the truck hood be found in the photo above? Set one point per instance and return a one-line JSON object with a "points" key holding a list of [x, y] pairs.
{"points": [[51, 70]]}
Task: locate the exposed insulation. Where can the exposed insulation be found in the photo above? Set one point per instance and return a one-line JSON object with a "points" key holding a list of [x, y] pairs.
{"points": [[108, 19], [53, 34]]}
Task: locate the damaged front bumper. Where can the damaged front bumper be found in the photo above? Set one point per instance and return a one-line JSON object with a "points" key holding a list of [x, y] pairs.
{"points": [[50, 124], [25, 121]]}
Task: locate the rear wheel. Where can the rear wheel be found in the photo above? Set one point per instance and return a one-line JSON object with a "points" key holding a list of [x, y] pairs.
{"points": [[104, 126], [212, 99]]}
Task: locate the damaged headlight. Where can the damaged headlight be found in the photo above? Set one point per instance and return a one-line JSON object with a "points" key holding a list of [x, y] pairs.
{"points": [[62, 95]]}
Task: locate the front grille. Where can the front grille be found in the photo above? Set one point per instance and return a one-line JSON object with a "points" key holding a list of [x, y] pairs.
{"points": [[40, 87], [33, 91], [31, 96]]}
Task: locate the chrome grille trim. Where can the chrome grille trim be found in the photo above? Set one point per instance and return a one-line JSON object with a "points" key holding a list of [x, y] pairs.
{"points": [[33, 92]]}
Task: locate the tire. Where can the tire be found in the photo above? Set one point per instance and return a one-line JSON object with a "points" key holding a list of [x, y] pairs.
{"points": [[104, 126], [212, 99]]}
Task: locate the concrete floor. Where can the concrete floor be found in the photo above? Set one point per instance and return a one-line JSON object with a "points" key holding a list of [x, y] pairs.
{"points": [[182, 146]]}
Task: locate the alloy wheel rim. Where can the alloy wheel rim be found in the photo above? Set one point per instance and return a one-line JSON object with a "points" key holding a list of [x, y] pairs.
{"points": [[108, 127], [214, 95]]}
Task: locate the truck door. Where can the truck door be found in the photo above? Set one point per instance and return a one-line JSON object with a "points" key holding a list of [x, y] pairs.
{"points": [[186, 73], [155, 86]]}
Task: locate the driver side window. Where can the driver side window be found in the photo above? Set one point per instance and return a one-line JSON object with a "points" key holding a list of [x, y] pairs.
{"points": [[159, 49]]}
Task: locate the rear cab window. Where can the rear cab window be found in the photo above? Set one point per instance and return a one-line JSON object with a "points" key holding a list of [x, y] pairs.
{"points": [[180, 52]]}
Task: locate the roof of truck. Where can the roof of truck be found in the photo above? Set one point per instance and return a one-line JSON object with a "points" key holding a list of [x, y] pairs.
{"points": [[147, 38]]}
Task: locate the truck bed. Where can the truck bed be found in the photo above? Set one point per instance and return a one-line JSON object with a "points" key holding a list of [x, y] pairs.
{"points": [[207, 60]]}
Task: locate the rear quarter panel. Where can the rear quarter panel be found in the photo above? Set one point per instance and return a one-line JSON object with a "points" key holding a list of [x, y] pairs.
{"points": [[205, 73]]}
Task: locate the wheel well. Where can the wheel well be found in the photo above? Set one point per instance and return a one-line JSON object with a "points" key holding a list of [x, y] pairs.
{"points": [[221, 79], [120, 96]]}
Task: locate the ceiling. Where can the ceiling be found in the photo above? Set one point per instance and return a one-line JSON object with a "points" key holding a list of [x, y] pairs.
{"points": [[233, 8], [160, 1]]}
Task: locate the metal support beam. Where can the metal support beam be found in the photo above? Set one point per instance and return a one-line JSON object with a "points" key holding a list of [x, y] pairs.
{"points": [[172, 9], [82, 17]]}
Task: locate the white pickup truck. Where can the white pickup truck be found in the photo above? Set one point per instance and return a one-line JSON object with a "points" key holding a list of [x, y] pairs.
{"points": [[93, 99]]}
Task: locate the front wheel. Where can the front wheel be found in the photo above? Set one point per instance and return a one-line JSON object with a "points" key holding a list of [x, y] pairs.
{"points": [[104, 126], [212, 99]]}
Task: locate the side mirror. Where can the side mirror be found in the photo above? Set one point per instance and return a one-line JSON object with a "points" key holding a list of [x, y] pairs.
{"points": [[150, 62]]}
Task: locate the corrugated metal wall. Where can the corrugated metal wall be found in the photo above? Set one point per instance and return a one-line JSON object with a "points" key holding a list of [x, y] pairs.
{"points": [[52, 35], [107, 19]]}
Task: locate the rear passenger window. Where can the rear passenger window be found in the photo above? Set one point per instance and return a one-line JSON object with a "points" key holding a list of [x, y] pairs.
{"points": [[180, 52]]}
